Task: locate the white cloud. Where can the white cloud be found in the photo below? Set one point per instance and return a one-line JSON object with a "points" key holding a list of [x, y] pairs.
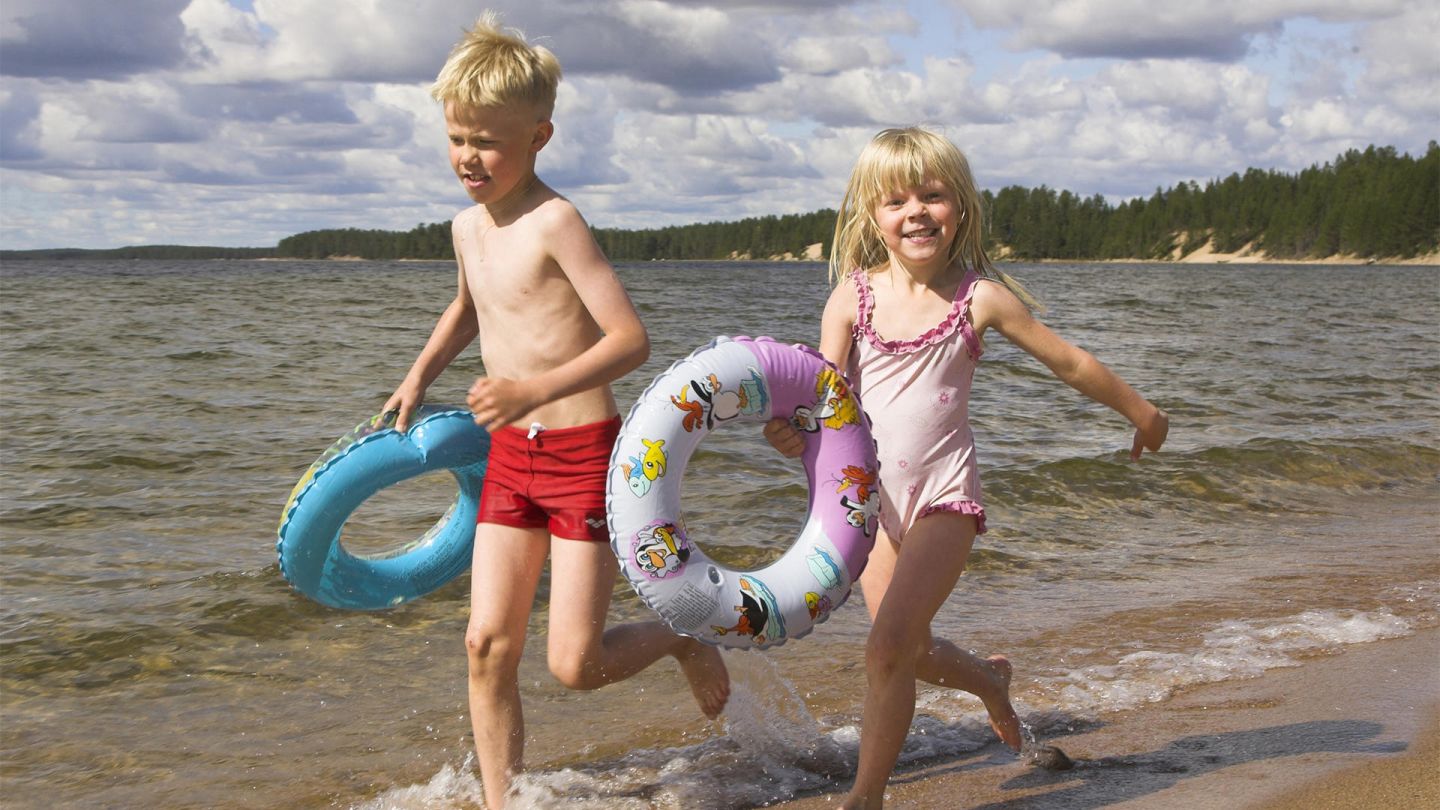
{"points": [[208, 124], [1219, 30]]}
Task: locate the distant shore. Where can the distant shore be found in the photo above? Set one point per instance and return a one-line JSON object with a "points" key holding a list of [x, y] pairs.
{"points": [[812, 254]]}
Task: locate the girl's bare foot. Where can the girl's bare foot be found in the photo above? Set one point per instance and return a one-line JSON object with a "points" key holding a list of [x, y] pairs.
{"points": [[708, 677], [997, 702]]}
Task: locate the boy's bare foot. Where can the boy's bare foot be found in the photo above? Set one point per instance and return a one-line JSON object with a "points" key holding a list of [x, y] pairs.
{"points": [[997, 702], [708, 677]]}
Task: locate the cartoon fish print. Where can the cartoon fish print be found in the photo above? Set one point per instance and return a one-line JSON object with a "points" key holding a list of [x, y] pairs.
{"points": [[661, 549], [654, 461], [827, 572], [635, 478]]}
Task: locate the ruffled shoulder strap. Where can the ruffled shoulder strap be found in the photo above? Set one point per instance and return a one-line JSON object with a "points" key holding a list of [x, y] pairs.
{"points": [[956, 319], [967, 329]]}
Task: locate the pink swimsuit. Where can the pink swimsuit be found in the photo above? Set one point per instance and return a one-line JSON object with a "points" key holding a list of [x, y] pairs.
{"points": [[920, 390]]}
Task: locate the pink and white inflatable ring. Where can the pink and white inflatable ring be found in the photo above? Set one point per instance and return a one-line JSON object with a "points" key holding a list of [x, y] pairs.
{"points": [[744, 379]]}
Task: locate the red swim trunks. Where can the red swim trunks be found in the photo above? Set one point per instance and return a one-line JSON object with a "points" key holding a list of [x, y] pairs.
{"points": [[551, 478]]}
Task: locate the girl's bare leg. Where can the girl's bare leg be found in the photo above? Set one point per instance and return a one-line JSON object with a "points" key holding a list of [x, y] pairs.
{"points": [[905, 586]]}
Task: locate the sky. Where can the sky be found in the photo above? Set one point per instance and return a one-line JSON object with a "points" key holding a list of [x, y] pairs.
{"points": [[239, 122]]}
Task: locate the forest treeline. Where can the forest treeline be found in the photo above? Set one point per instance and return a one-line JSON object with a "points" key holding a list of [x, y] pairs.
{"points": [[1375, 203]]}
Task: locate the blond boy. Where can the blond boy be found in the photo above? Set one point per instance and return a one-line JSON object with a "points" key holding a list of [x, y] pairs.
{"points": [[555, 328]]}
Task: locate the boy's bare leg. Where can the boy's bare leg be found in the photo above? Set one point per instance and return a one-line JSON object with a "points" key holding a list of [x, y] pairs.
{"points": [[505, 570], [584, 655], [904, 591]]}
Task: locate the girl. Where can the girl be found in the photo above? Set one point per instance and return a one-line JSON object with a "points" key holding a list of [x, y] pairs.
{"points": [[914, 297]]}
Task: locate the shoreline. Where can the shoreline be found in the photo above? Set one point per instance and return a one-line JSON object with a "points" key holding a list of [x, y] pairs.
{"points": [[1292, 739]]}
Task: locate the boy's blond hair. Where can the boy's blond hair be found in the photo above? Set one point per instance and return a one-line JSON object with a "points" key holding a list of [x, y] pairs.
{"points": [[495, 67], [905, 158]]}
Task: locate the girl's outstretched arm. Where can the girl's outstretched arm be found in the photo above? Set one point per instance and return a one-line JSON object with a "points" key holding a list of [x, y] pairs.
{"points": [[996, 307]]}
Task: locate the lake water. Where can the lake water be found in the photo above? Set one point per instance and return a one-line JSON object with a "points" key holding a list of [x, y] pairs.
{"points": [[159, 413]]}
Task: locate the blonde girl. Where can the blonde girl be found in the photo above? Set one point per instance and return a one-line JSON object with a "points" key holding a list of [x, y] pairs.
{"points": [[915, 296]]}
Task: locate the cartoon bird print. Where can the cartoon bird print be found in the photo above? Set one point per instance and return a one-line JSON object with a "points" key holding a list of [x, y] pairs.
{"points": [[859, 477], [757, 609], [694, 410], [835, 405], [861, 514], [863, 511], [661, 549]]}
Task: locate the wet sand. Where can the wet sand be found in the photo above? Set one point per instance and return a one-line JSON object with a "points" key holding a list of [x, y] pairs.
{"points": [[1360, 729]]}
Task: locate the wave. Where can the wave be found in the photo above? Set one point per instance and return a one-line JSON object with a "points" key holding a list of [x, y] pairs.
{"points": [[1259, 475], [774, 749]]}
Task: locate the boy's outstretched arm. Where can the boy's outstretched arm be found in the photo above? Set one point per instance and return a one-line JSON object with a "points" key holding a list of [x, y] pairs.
{"points": [[994, 306], [623, 346], [453, 332]]}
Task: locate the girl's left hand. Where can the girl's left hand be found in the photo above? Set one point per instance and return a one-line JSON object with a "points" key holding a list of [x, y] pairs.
{"points": [[1150, 435], [496, 402]]}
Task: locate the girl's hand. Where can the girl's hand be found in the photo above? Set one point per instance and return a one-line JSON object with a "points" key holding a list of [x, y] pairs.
{"points": [[496, 402], [404, 401], [784, 437], [1150, 435]]}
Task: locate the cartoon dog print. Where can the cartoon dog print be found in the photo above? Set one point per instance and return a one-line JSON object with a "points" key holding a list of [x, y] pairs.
{"points": [[715, 404]]}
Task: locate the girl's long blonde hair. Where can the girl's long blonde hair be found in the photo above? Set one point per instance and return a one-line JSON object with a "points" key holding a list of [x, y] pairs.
{"points": [[899, 159]]}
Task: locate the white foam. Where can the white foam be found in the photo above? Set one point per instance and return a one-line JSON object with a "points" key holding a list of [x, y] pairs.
{"points": [[450, 788], [773, 748], [1231, 650]]}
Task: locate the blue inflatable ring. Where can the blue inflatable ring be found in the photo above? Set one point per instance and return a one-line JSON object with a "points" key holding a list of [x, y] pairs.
{"points": [[362, 462]]}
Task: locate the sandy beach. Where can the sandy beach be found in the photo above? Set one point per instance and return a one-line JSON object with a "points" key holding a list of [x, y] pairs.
{"points": [[1360, 729]]}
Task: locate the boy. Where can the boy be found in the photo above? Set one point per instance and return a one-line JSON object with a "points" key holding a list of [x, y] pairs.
{"points": [[555, 328]]}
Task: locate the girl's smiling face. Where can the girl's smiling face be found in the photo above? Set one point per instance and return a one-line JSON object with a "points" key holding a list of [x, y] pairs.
{"points": [[918, 224]]}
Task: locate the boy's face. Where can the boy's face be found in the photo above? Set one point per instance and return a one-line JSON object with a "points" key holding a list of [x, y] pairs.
{"points": [[492, 149]]}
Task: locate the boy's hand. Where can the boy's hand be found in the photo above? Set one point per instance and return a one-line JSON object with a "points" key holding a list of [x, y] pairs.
{"points": [[405, 400], [784, 437], [496, 402], [1150, 435]]}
